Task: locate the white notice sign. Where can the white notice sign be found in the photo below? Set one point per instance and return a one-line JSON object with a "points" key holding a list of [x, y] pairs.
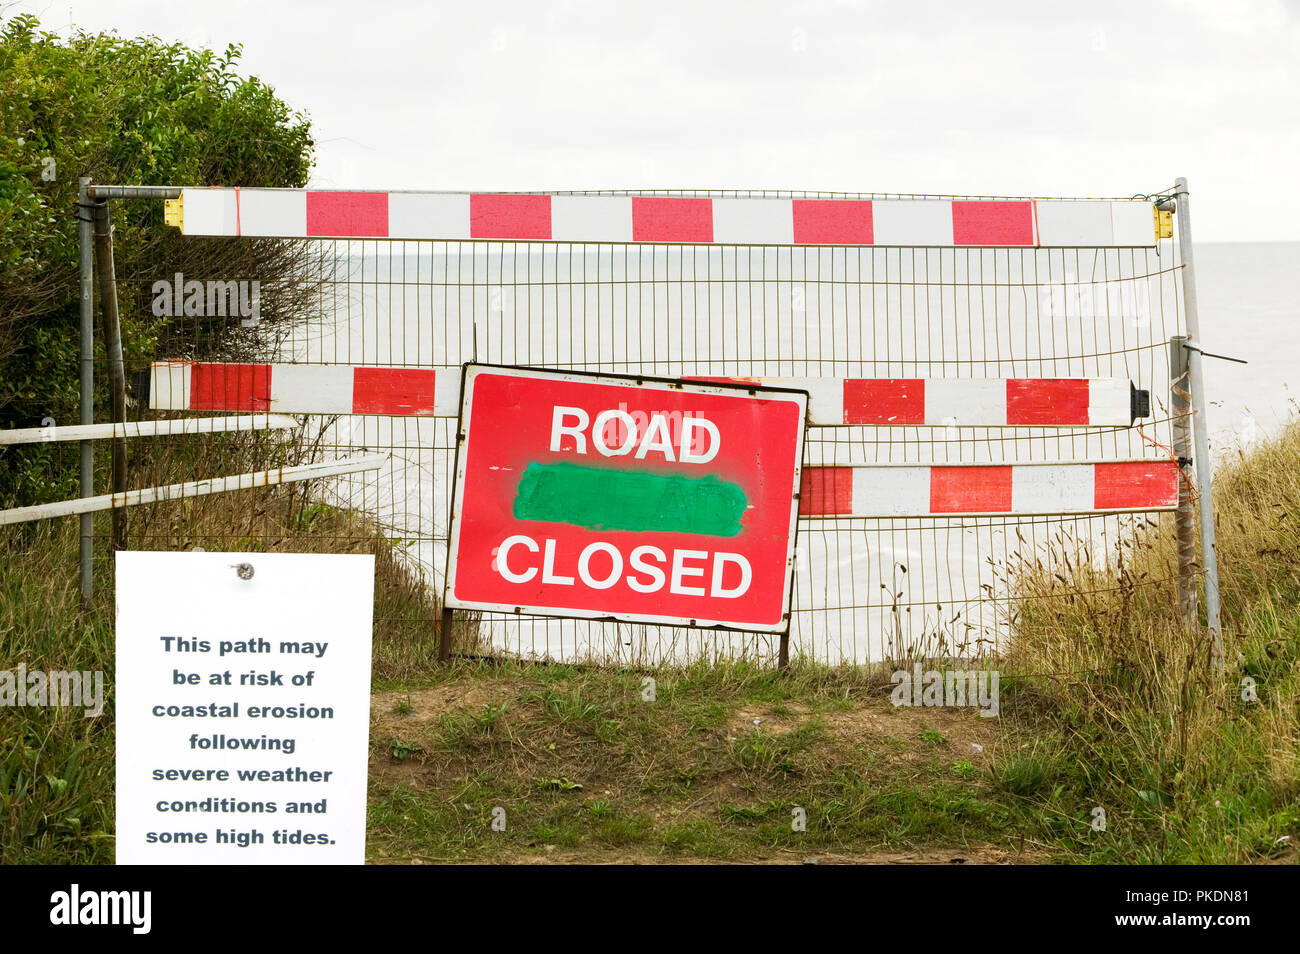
{"points": [[243, 707]]}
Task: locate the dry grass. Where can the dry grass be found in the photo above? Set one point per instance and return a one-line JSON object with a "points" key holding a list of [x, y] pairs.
{"points": [[1107, 702], [290, 518], [1198, 772], [56, 768]]}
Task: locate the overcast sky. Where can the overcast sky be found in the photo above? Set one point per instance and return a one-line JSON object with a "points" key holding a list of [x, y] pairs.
{"points": [[1107, 98]]}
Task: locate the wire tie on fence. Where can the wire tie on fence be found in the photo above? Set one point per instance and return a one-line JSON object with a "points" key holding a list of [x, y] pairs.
{"points": [[1208, 354]]}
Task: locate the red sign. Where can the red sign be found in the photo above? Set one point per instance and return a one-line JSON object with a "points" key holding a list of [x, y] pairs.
{"points": [[601, 496]]}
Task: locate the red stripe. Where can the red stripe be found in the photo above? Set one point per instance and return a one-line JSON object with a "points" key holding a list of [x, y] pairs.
{"points": [[1052, 401], [992, 223], [884, 400], [230, 387], [510, 216], [832, 222], [719, 379], [347, 214], [1135, 485], [656, 219], [393, 391], [970, 489], [826, 491]]}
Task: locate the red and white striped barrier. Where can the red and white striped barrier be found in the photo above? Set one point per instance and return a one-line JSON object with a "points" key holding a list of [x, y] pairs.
{"points": [[1028, 223], [425, 392], [302, 389], [906, 490], [968, 402]]}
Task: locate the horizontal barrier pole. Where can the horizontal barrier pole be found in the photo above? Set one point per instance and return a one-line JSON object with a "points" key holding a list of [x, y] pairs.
{"points": [[189, 425], [133, 192], [195, 488], [986, 490], [429, 392], [676, 220], [300, 389]]}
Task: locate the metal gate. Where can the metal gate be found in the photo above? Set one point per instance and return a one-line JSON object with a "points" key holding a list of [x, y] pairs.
{"points": [[982, 371]]}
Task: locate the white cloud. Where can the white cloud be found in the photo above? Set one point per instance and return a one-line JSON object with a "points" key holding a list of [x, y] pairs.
{"points": [[1022, 98]]}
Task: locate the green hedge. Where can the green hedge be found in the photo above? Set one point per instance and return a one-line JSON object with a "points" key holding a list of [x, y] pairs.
{"points": [[123, 111]]}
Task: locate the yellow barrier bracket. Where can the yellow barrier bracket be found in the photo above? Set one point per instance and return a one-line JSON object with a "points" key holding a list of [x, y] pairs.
{"points": [[174, 213], [1164, 223]]}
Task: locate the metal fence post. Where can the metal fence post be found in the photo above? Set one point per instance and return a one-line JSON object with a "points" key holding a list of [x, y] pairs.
{"points": [[1200, 424], [113, 347], [87, 268], [1185, 516]]}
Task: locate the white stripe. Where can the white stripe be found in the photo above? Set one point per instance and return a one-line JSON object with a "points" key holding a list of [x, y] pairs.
{"points": [[134, 429], [273, 213], [208, 211], [1052, 488], [825, 399], [321, 389], [753, 221], [1133, 224], [953, 402], [428, 215], [891, 491], [446, 393], [1074, 224], [578, 218], [169, 386], [911, 222], [1110, 402]]}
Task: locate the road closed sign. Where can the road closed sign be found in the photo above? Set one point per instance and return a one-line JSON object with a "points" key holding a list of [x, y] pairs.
{"points": [[602, 496]]}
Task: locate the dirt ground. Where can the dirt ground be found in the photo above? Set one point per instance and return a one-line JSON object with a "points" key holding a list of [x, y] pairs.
{"points": [[872, 722]]}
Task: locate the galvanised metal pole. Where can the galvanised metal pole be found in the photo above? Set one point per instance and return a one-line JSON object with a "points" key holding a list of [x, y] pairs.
{"points": [[113, 347], [1200, 425], [134, 192], [87, 236]]}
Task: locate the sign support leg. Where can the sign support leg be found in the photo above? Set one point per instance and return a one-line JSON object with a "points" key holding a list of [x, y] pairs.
{"points": [[444, 635]]}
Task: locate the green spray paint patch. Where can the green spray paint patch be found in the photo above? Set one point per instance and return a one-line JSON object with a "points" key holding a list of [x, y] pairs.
{"points": [[599, 499]]}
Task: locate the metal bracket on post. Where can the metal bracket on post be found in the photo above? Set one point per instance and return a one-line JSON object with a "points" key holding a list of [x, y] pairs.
{"points": [[1200, 427]]}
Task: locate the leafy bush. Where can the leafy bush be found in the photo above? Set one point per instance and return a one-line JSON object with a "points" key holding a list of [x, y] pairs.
{"points": [[123, 111]]}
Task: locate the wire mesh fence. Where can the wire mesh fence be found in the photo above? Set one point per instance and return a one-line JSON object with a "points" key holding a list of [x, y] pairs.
{"points": [[865, 589]]}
